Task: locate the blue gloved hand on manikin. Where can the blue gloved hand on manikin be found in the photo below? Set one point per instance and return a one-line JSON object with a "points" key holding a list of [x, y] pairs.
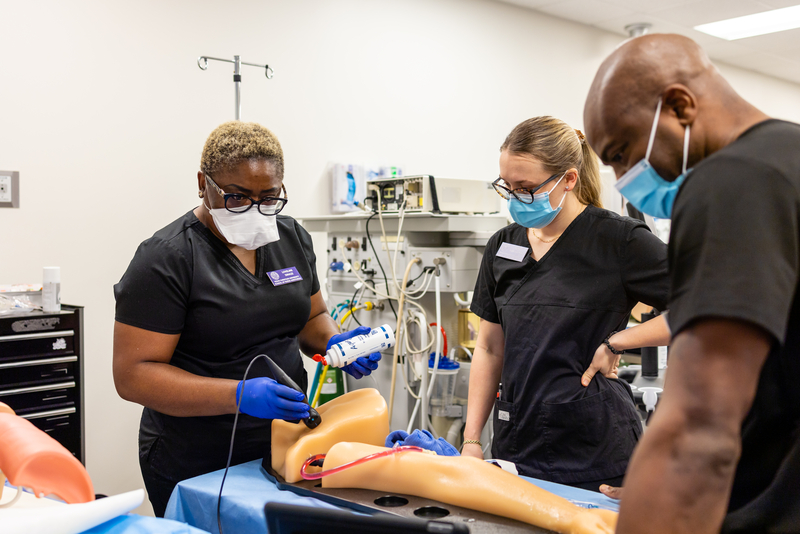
{"points": [[362, 366], [265, 398], [423, 439]]}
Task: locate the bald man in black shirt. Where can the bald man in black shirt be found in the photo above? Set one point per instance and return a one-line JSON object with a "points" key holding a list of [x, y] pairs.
{"points": [[722, 452]]}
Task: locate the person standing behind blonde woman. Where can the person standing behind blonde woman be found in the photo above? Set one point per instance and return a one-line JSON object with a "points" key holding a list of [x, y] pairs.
{"points": [[553, 289]]}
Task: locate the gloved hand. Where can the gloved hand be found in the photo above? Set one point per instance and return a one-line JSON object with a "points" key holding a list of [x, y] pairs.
{"points": [[421, 438], [362, 366], [265, 398]]}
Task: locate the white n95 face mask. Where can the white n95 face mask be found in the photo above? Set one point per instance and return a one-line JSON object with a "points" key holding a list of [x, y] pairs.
{"points": [[249, 230]]}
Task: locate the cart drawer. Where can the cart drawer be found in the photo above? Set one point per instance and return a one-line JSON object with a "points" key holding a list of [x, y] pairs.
{"points": [[39, 322], [30, 372], [29, 399], [39, 344], [63, 425]]}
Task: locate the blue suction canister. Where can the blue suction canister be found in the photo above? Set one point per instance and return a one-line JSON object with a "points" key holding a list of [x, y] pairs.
{"points": [[314, 419]]}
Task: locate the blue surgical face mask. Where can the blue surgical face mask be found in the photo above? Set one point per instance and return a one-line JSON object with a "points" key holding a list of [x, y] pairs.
{"points": [[645, 188], [539, 213]]}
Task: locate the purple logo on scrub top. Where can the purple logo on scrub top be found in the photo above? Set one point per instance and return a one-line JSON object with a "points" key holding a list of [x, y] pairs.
{"points": [[284, 276]]}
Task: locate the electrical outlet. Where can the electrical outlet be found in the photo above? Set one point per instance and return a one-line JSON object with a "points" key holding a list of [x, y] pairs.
{"points": [[5, 189], [9, 189]]}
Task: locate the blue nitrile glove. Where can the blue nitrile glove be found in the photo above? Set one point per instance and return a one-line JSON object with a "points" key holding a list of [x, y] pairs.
{"points": [[362, 366], [423, 439], [265, 398], [394, 437]]}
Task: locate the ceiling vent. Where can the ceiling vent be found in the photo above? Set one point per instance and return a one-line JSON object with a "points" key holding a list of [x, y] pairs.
{"points": [[638, 29]]}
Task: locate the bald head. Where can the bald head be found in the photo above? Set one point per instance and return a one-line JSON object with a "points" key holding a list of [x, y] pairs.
{"points": [[623, 97], [640, 68]]}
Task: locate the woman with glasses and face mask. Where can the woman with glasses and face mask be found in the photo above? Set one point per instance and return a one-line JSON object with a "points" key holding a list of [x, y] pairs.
{"points": [[227, 281], [553, 290]]}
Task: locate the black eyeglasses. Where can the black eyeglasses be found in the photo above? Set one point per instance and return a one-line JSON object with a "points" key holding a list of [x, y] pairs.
{"points": [[523, 195], [240, 203]]}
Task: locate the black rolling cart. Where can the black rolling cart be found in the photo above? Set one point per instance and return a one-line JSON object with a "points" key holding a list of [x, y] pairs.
{"points": [[41, 372]]}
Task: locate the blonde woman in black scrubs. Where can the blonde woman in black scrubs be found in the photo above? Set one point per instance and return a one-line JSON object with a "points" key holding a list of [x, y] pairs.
{"points": [[552, 288]]}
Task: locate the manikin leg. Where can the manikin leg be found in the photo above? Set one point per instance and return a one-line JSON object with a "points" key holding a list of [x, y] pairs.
{"points": [[356, 425], [466, 482]]}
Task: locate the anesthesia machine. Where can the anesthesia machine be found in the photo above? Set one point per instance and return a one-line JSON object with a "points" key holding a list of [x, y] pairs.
{"points": [[411, 262]]}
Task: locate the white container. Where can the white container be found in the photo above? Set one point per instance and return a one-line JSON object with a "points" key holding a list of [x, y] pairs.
{"points": [[345, 352], [662, 357], [51, 289]]}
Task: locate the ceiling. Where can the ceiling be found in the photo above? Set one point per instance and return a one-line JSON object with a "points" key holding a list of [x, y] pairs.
{"points": [[776, 54]]}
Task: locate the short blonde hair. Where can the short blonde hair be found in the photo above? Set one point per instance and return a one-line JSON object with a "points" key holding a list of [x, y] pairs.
{"points": [[234, 142], [559, 147]]}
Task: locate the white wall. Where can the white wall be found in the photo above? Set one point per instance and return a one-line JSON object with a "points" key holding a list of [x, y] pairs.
{"points": [[104, 113]]}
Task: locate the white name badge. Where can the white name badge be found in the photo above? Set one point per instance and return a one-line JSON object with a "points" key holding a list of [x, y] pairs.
{"points": [[512, 252], [503, 415]]}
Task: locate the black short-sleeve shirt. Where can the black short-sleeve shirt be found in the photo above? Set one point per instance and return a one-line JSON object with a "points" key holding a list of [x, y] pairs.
{"points": [[185, 281], [619, 248], [734, 253], [555, 312]]}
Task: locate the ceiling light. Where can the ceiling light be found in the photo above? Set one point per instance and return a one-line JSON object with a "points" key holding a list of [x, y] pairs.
{"points": [[777, 20]]}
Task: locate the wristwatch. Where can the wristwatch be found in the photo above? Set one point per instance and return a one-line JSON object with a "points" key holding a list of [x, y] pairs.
{"points": [[608, 344]]}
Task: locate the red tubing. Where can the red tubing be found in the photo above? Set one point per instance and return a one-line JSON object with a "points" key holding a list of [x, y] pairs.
{"points": [[343, 467], [444, 338]]}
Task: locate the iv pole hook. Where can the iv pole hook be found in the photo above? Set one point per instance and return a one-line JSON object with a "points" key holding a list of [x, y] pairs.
{"points": [[202, 62]]}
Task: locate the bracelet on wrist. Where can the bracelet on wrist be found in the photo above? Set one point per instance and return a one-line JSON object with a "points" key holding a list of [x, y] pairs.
{"points": [[473, 441], [607, 343]]}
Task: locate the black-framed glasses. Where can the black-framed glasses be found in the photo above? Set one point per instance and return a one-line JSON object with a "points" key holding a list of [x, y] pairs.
{"points": [[523, 195], [240, 203]]}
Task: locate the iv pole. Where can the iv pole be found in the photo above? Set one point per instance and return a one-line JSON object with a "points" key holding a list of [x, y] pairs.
{"points": [[202, 62]]}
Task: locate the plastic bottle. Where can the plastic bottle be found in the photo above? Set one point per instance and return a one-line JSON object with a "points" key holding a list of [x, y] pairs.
{"points": [[51, 289], [345, 352]]}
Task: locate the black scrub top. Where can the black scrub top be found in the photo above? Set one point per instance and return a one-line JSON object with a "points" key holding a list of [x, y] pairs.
{"points": [[734, 253], [555, 313], [184, 280]]}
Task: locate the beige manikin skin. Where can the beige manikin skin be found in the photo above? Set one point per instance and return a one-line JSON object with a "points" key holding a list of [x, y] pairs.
{"points": [[466, 482], [359, 415]]}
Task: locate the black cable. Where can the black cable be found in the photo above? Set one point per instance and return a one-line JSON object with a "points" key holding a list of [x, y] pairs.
{"points": [[353, 307], [411, 282], [377, 258], [233, 434]]}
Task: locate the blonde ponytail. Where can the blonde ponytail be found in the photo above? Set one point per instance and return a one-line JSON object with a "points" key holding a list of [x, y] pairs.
{"points": [[588, 187]]}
